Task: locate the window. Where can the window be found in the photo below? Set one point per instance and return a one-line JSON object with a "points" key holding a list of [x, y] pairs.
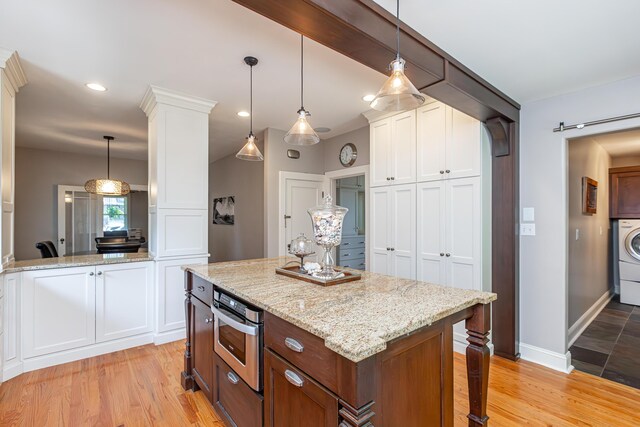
{"points": [[114, 213]]}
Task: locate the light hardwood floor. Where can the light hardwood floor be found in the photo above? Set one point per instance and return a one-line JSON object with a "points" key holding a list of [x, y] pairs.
{"points": [[141, 386]]}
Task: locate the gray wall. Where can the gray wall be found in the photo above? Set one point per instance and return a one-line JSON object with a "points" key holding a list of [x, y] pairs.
{"points": [[37, 174], [589, 255], [543, 185], [244, 180], [332, 146]]}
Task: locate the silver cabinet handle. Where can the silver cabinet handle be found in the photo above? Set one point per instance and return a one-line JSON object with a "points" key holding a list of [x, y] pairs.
{"points": [[233, 378], [207, 320], [247, 329], [92, 274], [448, 254], [201, 288], [293, 378], [294, 345], [346, 244], [346, 254]]}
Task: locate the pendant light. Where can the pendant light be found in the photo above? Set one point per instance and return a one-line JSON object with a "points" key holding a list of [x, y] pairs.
{"points": [[107, 186], [250, 151], [301, 132], [397, 93]]}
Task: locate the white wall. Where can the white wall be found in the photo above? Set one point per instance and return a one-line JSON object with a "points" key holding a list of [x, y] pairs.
{"points": [[38, 172], [590, 254], [619, 162], [244, 180], [543, 169]]}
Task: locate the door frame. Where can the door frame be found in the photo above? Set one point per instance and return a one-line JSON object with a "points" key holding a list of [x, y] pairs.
{"points": [[333, 176], [282, 205]]}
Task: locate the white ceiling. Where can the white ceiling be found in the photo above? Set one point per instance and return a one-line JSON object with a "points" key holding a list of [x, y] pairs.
{"points": [[533, 49], [618, 144], [192, 46]]}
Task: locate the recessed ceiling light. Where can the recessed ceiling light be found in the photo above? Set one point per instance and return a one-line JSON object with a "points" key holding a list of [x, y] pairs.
{"points": [[322, 130], [243, 113], [96, 86], [368, 98]]}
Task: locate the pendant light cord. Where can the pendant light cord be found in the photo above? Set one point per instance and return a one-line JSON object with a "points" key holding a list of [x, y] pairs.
{"points": [[108, 157], [301, 72], [398, 29], [251, 101]]}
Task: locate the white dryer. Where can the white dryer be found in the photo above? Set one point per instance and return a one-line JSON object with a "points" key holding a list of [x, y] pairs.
{"points": [[629, 254]]}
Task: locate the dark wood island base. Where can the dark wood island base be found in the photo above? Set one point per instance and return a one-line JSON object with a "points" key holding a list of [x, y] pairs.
{"points": [[410, 383]]}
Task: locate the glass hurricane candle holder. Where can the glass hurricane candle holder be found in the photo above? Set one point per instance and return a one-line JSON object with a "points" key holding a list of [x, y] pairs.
{"points": [[327, 230], [302, 247]]}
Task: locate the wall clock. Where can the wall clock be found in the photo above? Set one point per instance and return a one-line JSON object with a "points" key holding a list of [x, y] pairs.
{"points": [[348, 154]]}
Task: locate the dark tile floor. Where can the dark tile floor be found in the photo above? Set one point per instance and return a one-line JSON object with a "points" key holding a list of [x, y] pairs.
{"points": [[610, 346]]}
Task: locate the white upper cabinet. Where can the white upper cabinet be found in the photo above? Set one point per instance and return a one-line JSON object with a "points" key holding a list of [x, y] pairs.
{"points": [[448, 143], [393, 150], [431, 132]]}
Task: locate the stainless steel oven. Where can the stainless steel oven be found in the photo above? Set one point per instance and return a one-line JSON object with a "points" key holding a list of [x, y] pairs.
{"points": [[238, 337]]}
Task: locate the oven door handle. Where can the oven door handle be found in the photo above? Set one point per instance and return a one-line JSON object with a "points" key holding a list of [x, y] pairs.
{"points": [[245, 329]]}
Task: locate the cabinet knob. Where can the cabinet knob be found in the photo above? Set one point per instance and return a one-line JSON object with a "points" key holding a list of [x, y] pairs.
{"points": [[294, 345], [92, 274], [388, 249], [448, 171], [233, 378], [393, 178], [441, 253], [442, 172], [99, 273], [393, 249], [208, 320], [448, 254], [293, 378], [388, 179], [201, 288]]}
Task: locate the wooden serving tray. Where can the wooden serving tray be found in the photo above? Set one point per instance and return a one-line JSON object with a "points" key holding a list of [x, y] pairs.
{"points": [[293, 271]]}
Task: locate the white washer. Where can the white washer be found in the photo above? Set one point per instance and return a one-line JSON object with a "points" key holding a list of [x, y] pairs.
{"points": [[629, 254]]}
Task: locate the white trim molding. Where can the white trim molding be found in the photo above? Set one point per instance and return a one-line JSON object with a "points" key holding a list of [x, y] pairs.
{"points": [[10, 62], [550, 359], [589, 316], [156, 95]]}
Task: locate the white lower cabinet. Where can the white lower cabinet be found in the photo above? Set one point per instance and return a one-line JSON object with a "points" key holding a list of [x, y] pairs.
{"points": [[58, 310], [124, 296], [69, 308], [393, 230]]}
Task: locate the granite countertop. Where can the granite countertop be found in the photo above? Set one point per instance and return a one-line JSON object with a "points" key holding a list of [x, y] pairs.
{"points": [[355, 319], [75, 261]]}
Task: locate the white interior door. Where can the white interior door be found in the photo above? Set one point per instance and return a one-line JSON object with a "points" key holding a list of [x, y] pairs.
{"points": [[403, 230], [380, 230], [403, 148], [301, 193], [431, 138], [431, 232]]}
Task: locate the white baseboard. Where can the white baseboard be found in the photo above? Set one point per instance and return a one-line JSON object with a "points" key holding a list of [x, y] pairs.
{"points": [[585, 320], [171, 336], [11, 370], [53, 359], [550, 359]]}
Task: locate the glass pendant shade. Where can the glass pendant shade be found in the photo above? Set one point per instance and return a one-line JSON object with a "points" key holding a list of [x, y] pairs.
{"points": [[301, 133], [250, 151], [397, 93], [107, 187]]}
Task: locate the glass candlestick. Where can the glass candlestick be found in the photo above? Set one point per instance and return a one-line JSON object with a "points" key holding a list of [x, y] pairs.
{"points": [[327, 230]]}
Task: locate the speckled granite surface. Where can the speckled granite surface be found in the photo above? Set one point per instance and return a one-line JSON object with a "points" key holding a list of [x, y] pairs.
{"points": [[75, 261], [355, 319]]}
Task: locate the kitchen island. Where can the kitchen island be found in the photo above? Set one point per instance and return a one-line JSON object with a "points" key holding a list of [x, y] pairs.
{"points": [[378, 351]]}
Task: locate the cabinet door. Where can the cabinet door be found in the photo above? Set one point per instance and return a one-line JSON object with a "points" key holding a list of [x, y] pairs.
{"points": [[431, 136], [380, 135], [202, 346], [233, 399], [124, 300], [403, 231], [58, 309], [292, 399], [380, 214], [349, 200], [403, 148], [431, 232], [463, 228], [464, 145]]}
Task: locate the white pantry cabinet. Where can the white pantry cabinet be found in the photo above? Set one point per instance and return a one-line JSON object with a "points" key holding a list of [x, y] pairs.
{"points": [[124, 297], [393, 230], [393, 150], [449, 143], [69, 308], [58, 309], [449, 227]]}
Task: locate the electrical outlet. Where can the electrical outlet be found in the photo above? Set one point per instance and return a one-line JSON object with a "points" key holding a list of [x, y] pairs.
{"points": [[527, 229]]}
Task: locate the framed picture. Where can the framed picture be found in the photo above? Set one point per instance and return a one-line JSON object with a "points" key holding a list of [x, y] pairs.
{"points": [[589, 195], [224, 210]]}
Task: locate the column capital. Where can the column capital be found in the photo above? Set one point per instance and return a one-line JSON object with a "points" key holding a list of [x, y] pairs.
{"points": [[156, 95], [10, 63]]}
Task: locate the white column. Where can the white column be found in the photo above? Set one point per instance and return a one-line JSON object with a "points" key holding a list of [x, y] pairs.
{"points": [[178, 197], [12, 78]]}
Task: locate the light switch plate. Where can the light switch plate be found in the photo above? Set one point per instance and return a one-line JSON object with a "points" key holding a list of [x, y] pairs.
{"points": [[528, 214], [528, 229]]}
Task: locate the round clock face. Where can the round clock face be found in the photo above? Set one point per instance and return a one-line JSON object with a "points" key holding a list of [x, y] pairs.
{"points": [[348, 154]]}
